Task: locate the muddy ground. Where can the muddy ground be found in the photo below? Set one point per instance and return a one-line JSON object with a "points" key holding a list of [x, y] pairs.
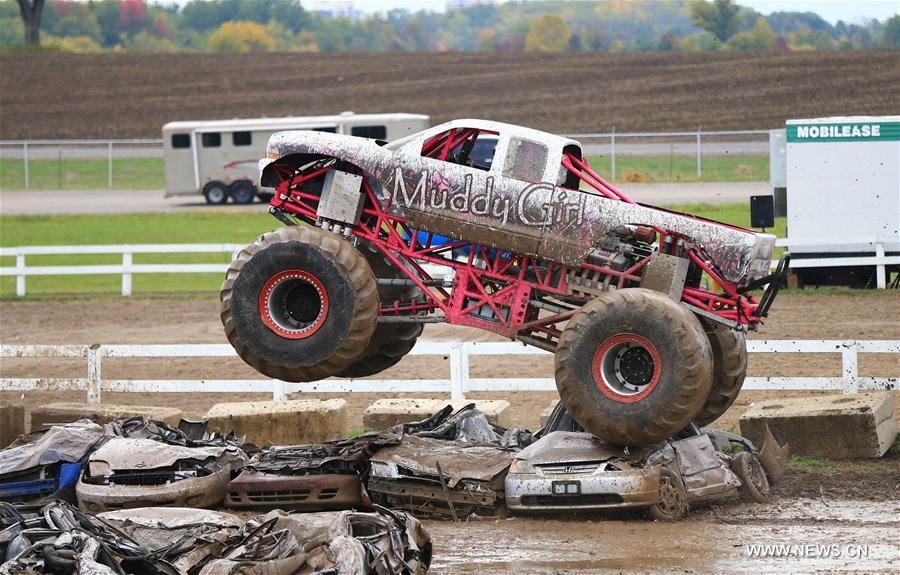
{"points": [[118, 321]]}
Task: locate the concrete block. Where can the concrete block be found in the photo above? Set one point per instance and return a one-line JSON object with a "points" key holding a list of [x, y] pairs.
{"points": [[282, 423], [834, 426], [12, 422], [387, 412], [54, 413], [545, 413]]}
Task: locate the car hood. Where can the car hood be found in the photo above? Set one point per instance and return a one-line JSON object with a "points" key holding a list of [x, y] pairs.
{"points": [[126, 453], [569, 447], [458, 460], [67, 443]]}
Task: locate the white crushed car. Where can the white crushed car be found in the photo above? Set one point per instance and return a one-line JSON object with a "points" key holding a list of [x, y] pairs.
{"points": [[140, 472]]}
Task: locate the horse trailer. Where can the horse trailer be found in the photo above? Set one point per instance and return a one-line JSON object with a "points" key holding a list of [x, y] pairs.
{"points": [[218, 158]]}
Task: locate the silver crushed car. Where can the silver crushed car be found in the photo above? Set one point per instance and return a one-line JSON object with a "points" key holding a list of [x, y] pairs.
{"points": [[179, 541], [567, 470]]}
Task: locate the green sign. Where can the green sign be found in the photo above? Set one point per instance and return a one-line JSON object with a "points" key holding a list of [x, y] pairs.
{"points": [[844, 132]]}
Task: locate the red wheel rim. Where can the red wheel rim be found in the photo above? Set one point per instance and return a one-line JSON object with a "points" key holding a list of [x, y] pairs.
{"points": [[293, 304], [626, 367]]}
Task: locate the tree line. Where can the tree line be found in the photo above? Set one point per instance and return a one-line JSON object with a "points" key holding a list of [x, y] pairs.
{"points": [[551, 26]]}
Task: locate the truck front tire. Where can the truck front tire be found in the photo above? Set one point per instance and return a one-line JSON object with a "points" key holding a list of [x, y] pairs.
{"points": [[633, 367], [299, 304]]}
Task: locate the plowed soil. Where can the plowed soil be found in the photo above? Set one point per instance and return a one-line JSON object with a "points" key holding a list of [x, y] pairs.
{"points": [[133, 95], [870, 315]]}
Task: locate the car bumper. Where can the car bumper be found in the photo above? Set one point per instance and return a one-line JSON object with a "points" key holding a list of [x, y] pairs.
{"points": [[200, 492], [257, 490], [605, 490]]}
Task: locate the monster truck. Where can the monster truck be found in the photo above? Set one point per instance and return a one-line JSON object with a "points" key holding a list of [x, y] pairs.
{"points": [[644, 308]]}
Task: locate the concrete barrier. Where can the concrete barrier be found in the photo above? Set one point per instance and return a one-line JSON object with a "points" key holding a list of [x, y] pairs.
{"points": [[833, 426], [54, 413], [282, 423], [12, 422], [387, 412]]}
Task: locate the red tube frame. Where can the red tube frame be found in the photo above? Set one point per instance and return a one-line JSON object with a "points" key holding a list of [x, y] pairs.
{"points": [[494, 280]]}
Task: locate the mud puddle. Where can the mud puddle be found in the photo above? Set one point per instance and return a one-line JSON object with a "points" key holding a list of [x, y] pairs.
{"points": [[795, 536]]}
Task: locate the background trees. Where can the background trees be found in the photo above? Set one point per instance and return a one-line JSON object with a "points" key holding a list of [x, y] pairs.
{"points": [[549, 26]]}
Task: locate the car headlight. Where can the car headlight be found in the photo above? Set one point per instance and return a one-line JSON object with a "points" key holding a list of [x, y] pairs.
{"points": [[99, 469], [521, 466]]}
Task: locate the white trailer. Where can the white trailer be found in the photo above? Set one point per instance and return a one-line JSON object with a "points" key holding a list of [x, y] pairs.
{"points": [[842, 179], [219, 158]]}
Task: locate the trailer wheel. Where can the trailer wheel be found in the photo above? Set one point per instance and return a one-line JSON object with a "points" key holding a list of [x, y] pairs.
{"points": [[729, 349], [216, 193], [391, 341], [299, 304], [243, 192], [633, 367]]}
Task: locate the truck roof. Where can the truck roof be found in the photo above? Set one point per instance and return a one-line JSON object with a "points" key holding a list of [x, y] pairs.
{"points": [[284, 123]]}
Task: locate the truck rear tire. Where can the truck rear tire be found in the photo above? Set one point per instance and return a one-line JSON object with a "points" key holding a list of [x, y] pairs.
{"points": [[299, 304], [391, 341], [633, 367], [243, 192], [216, 193], [729, 349]]}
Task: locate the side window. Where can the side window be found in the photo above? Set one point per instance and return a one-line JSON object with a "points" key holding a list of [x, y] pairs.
{"points": [[241, 138], [181, 141], [212, 139], [525, 160], [465, 146], [374, 132]]}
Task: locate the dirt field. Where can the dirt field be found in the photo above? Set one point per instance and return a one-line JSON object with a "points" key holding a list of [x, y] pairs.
{"points": [[133, 95], [866, 316]]}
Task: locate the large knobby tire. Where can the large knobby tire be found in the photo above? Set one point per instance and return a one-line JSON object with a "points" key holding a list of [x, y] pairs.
{"points": [[633, 367], [299, 304], [391, 341], [729, 349]]}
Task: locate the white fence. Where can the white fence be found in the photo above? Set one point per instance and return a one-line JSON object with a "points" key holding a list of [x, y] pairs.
{"points": [[127, 268], [612, 144], [459, 384]]}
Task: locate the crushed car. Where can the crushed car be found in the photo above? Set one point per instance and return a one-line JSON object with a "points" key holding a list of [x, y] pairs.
{"points": [[450, 465], [320, 477], [47, 461], [179, 541], [154, 464], [567, 470]]}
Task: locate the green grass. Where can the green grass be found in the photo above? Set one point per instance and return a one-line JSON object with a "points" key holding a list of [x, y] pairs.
{"points": [[887, 465], [182, 227], [168, 228], [148, 173], [738, 168], [77, 174]]}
